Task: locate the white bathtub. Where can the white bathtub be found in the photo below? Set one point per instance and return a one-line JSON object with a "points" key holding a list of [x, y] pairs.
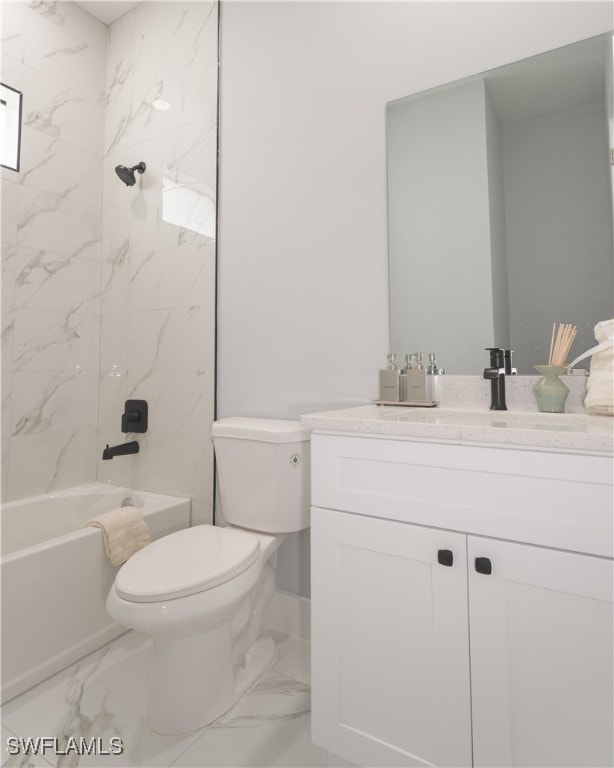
{"points": [[55, 577]]}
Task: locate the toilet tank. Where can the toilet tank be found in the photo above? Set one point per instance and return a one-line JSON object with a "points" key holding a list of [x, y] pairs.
{"points": [[263, 471]]}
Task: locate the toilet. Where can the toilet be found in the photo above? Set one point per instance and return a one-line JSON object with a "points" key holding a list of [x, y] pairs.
{"points": [[202, 592]]}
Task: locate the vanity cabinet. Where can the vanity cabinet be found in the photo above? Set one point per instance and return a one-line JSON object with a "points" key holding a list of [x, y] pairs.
{"points": [[446, 630], [541, 656], [390, 642]]}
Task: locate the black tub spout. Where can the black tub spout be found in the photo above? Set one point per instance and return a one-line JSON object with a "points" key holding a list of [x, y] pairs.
{"points": [[120, 450]]}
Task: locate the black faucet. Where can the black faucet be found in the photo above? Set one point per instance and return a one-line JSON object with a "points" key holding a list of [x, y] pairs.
{"points": [[120, 450], [496, 374]]}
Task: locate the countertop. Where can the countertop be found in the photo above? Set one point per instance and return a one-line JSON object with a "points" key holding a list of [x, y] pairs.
{"points": [[552, 431]]}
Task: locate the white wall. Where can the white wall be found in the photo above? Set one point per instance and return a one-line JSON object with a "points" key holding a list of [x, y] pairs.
{"points": [[303, 294]]}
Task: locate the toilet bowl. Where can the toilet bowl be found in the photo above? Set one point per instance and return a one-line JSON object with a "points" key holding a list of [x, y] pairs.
{"points": [[202, 592], [205, 621]]}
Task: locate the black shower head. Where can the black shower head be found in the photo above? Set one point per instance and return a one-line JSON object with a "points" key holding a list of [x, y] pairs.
{"points": [[127, 174]]}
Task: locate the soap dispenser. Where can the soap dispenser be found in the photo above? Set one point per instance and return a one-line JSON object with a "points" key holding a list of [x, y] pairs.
{"points": [[433, 378], [391, 389], [416, 380]]}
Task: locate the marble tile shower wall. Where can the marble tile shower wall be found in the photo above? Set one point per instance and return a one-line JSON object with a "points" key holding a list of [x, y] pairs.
{"points": [[158, 246], [51, 247], [111, 289]]}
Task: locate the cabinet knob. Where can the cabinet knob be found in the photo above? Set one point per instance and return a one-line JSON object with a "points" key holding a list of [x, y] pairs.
{"points": [[483, 565], [445, 557]]}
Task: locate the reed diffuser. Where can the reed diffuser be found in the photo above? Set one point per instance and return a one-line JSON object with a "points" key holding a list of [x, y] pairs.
{"points": [[550, 392], [560, 344]]}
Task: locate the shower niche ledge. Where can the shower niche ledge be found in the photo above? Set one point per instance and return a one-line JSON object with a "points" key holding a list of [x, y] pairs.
{"points": [[461, 601]]}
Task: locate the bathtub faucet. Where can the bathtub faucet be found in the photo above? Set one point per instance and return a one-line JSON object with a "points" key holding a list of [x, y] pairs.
{"points": [[120, 450]]}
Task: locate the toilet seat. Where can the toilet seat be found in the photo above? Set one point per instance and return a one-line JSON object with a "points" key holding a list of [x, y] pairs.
{"points": [[186, 562]]}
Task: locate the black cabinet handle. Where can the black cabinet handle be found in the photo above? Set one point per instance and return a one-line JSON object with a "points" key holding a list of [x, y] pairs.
{"points": [[483, 565], [445, 557]]}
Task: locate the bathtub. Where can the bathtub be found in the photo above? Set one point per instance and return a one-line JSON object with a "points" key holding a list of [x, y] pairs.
{"points": [[55, 577]]}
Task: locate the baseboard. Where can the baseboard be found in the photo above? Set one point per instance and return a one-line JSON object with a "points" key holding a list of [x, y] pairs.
{"points": [[290, 614]]}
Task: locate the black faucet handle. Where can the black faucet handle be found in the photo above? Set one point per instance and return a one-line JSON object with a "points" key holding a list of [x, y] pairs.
{"points": [[130, 419], [509, 369], [496, 357]]}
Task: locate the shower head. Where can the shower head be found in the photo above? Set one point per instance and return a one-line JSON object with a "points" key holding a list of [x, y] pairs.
{"points": [[127, 174]]}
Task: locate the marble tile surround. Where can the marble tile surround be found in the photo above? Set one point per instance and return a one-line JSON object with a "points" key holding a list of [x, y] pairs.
{"points": [[158, 264], [143, 257], [103, 696], [51, 247]]}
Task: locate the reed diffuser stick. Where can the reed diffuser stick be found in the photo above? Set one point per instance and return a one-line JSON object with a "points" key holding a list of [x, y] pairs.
{"points": [[562, 339], [552, 342]]}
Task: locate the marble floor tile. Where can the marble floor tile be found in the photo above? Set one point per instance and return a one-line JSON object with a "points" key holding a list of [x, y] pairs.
{"points": [[9, 760], [269, 726], [103, 696]]}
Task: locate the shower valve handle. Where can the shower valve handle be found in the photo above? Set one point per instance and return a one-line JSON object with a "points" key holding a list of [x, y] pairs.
{"points": [[134, 417]]}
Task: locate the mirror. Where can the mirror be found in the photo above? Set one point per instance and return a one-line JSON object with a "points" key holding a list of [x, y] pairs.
{"points": [[500, 210]]}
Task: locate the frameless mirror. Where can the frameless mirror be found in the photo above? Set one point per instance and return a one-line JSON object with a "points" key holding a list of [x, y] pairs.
{"points": [[10, 127], [500, 209]]}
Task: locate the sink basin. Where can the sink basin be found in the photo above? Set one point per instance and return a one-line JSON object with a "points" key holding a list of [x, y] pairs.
{"points": [[556, 422], [556, 431]]}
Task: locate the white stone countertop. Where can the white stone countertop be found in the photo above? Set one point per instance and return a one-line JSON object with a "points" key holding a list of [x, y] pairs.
{"points": [[555, 431]]}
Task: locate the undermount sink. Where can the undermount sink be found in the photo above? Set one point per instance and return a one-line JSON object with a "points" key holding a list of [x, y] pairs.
{"points": [[558, 422], [558, 431]]}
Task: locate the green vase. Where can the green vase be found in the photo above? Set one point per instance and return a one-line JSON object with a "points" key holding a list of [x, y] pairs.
{"points": [[550, 392]]}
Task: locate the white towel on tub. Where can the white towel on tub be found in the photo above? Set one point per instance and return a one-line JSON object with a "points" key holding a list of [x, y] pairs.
{"points": [[124, 532]]}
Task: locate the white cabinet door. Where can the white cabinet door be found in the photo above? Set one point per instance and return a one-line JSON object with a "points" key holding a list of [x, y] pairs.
{"points": [[541, 656], [390, 674]]}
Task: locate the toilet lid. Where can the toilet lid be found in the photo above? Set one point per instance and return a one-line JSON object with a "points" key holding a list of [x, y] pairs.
{"points": [[188, 561]]}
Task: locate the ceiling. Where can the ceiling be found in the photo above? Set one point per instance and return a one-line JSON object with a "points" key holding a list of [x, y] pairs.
{"points": [[106, 10]]}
